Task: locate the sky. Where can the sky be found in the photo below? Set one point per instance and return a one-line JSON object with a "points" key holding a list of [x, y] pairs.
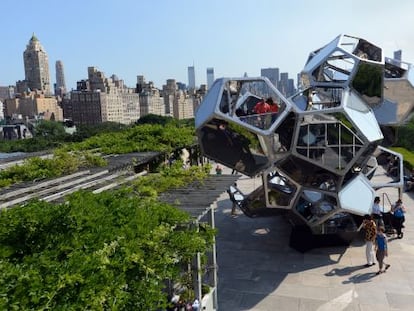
{"points": [[160, 39]]}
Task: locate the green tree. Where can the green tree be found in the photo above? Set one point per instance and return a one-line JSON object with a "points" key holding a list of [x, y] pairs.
{"points": [[111, 251]]}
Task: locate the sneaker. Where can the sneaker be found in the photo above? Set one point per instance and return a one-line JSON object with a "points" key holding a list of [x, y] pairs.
{"points": [[379, 272], [387, 266]]}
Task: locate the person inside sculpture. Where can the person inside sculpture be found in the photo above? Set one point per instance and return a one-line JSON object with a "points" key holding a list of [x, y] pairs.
{"points": [[273, 107], [392, 168], [261, 107]]}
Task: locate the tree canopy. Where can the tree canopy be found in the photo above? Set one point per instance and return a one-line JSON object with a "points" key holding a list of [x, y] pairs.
{"points": [[107, 251]]}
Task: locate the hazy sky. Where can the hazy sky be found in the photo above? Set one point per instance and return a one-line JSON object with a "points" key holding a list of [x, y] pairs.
{"points": [[161, 38]]}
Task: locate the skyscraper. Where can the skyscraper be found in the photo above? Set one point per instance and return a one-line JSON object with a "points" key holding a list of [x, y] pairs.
{"points": [[272, 74], [283, 83], [191, 77], [210, 77], [60, 79], [36, 66], [397, 55]]}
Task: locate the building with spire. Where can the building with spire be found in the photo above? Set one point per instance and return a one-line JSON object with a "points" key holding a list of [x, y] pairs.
{"points": [[36, 66]]}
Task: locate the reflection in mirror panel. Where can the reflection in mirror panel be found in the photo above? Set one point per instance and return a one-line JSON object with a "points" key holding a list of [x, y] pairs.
{"points": [[337, 68], [233, 146], [280, 190], [204, 112], [368, 51], [368, 82], [309, 175], [395, 69], [315, 206], [339, 222], [328, 144], [318, 98]]}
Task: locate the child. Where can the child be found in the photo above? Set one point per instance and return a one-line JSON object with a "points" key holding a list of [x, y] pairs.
{"points": [[381, 249]]}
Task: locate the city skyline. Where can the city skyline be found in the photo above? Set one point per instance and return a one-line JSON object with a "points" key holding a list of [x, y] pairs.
{"points": [[161, 39]]}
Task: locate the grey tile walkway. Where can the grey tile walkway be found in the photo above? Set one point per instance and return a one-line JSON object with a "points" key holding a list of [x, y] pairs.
{"points": [[257, 270]]}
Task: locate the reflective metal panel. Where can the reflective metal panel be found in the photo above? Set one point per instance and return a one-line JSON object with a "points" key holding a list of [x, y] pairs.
{"points": [[369, 83], [206, 110], [365, 120], [357, 196]]}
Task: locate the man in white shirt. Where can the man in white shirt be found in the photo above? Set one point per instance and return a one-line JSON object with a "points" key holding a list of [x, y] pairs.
{"points": [[376, 212]]}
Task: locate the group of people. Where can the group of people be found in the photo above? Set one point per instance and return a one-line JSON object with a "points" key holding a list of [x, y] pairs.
{"points": [[178, 304], [376, 245], [375, 238], [265, 106]]}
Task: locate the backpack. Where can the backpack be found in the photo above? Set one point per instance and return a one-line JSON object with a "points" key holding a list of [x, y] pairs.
{"points": [[398, 213]]}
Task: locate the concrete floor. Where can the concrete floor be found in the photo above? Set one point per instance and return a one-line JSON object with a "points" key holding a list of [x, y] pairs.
{"points": [[257, 270]]}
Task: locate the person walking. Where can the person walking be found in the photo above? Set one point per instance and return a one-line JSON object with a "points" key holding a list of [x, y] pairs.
{"points": [[381, 246], [398, 211], [370, 234]]}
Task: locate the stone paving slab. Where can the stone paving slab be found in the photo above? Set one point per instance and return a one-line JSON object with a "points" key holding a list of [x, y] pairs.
{"points": [[257, 270]]}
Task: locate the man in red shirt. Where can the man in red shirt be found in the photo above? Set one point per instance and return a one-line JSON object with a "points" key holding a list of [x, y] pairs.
{"points": [[261, 107]]}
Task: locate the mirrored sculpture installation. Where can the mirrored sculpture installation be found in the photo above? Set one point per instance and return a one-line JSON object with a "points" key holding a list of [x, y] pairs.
{"points": [[313, 150]]}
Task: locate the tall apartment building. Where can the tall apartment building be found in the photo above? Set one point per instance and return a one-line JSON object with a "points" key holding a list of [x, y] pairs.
{"points": [[7, 92], [36, 66], [101, 99], [210, 77], [191, 78], [168, 93], [183, 106], [151, 101], [272, 74], [60, 87]]}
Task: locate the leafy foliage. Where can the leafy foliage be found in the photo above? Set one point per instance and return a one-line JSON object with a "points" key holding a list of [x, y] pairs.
{"points": [[146, 137], [405, 136], [110, 251], [36, 168]]}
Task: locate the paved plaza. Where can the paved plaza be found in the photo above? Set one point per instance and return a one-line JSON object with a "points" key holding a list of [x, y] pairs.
{"points": [[257, 270]]}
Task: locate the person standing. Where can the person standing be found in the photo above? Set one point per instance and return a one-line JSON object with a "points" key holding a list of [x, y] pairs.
{"points": [[398, 211], [376, 212], [261, 107], [370, 234], [219, 170], [381, 246]]}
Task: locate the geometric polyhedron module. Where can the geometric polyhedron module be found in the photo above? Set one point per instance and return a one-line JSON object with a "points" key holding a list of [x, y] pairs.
{"points": [[314, 150]]}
